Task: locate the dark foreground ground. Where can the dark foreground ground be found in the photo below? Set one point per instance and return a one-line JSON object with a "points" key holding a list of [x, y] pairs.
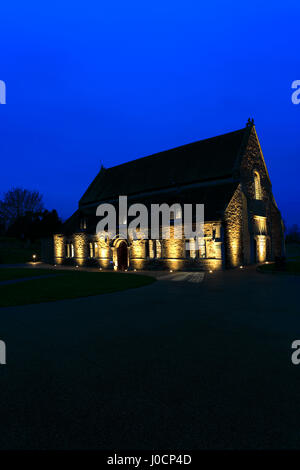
{"points": [[171, 365]]}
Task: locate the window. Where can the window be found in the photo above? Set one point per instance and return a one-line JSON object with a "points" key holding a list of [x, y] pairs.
{"points": [[151, 249], [257, 186], [216, 231], [92, 250], [158, 251], [202, 247], [260, 224], [83, 224], [190, 249], [69, 250]]}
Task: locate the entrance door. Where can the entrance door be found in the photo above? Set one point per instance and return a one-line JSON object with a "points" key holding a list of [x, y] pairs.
{"points": [[122, 256]]}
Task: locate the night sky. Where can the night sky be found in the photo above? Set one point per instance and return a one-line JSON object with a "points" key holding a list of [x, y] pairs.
{"points": [[107, 82]]}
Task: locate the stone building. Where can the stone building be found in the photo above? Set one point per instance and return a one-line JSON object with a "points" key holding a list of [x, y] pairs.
{"points": [[226, 173]]}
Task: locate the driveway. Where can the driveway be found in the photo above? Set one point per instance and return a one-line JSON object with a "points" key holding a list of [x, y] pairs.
{"points": [[174, 365]]}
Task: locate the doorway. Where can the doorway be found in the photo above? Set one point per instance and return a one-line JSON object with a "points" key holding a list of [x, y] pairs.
{"points": [[122, 256]]}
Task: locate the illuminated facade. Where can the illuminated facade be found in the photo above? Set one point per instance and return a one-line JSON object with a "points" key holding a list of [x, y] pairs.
{"points": [[226, 173]]}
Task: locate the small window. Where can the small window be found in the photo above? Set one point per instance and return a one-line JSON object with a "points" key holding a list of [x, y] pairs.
{"points": [[151, 249], [69, 250], [83, 224], [190, 248], [158, 250], [92, 249], [257, 186], [202, 247]]}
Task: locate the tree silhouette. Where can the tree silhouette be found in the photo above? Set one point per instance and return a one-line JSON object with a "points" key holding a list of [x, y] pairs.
{"points": [[293, 235], [17, 202]]}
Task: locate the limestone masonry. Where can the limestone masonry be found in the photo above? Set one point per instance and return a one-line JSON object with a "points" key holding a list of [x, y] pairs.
{"points": [[226, 173]]}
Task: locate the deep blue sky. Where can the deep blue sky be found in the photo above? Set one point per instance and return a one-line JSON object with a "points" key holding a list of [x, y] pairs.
{"points": [[91, 82]]}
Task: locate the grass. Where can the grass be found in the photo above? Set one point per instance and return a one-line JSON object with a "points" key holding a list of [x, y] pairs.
{"points": [[68, 285], [292, 264], [291, 267], [7, 274], [293, 251], [14, 251]]}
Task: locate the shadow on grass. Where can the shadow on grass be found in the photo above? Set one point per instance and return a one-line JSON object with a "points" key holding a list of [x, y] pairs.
{"points": [[69, 285]]}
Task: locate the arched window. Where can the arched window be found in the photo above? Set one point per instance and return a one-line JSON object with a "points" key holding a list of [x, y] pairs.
{"points": [[257, 186]]}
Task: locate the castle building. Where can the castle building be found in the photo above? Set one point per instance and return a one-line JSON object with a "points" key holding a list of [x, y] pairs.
{"points": [[226, 173]]}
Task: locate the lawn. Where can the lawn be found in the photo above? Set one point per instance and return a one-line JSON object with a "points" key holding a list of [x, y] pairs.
{"points": [[67, 285], [291, 267], [7, 274], [293, 251], [16, 251]]}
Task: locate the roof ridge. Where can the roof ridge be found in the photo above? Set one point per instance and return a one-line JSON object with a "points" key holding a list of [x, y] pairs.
{"points": [[177, 148], [210, 158]]}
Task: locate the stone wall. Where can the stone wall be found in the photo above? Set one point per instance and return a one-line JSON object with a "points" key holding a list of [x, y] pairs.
{"points": [[171, 254], [59, 249], [103, 252], [81, 247], [273, 244], [233, 224], [253, 161]]}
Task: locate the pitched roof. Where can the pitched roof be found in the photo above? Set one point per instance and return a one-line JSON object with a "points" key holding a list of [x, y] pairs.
{"points": [[204, 160], [215, 198]]}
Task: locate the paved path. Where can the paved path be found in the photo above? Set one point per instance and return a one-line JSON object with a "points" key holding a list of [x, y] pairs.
{"points": [[194, 277], [173, 365]]}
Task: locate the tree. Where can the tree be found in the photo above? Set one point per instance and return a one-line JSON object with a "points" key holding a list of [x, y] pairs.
{"points": [[17, 202], [49, 223], [293, 235], [35, 225]]}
